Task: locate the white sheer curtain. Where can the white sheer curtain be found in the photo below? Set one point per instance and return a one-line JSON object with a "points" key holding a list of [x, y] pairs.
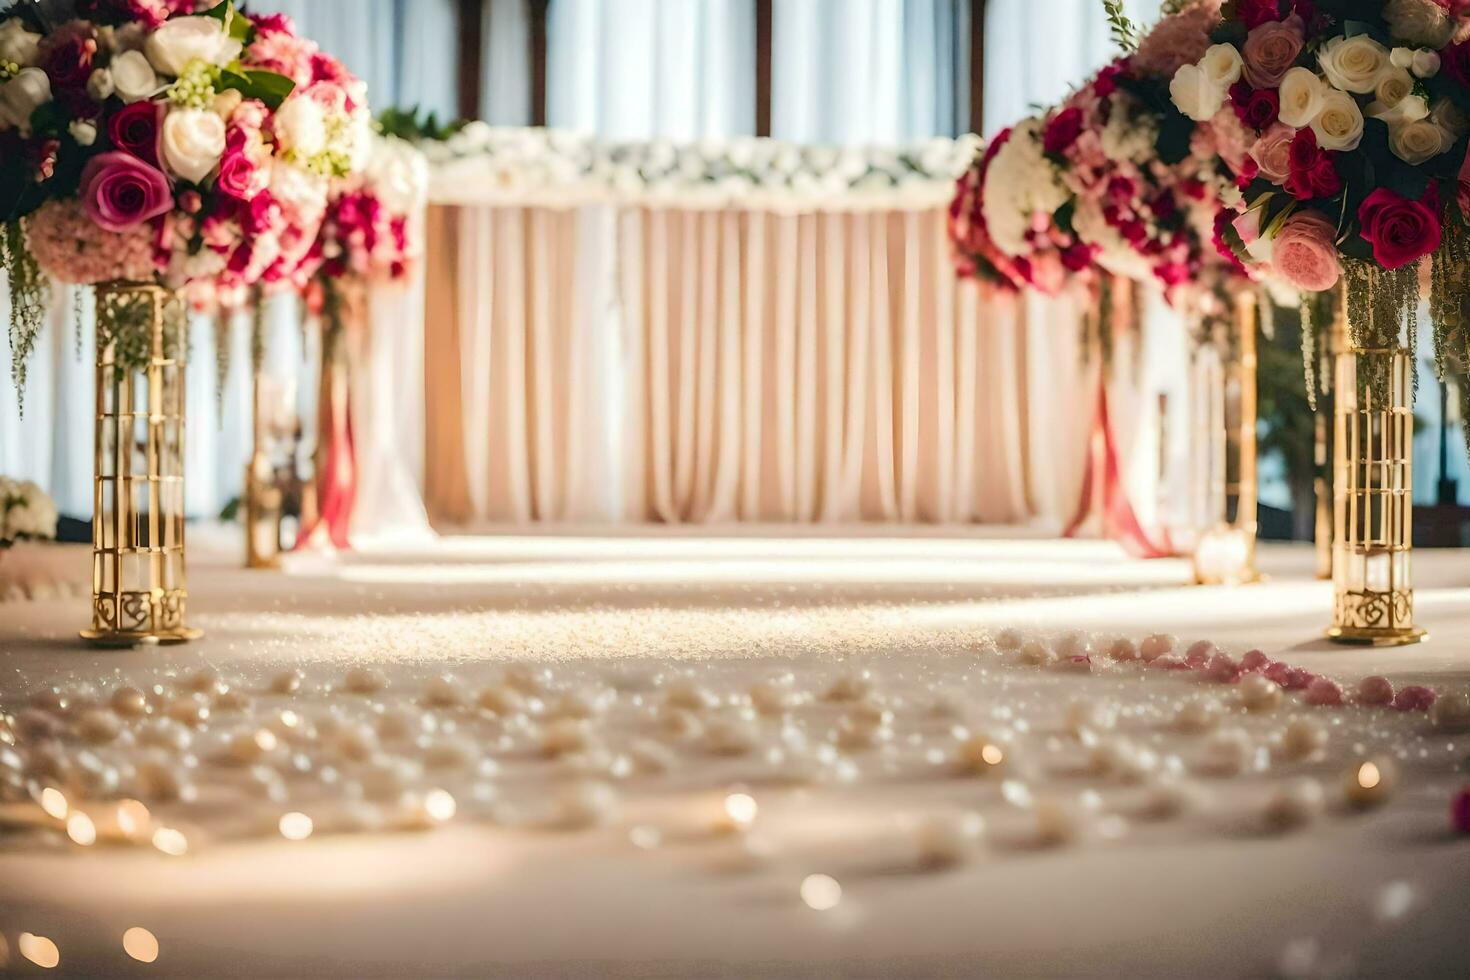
{"points": [[869, 71], [652, 69], [1037, 50], [404, 49]]}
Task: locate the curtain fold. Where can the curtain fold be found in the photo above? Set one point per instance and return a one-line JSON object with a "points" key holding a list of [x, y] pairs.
{"points": [[752, 367]]}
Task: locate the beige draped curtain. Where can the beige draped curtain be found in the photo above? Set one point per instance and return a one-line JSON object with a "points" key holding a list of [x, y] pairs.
{"points": [[671, 365]]}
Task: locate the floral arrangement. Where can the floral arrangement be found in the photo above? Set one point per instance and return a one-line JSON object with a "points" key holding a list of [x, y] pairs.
{"points": [[26, 513], [485, 163], [153, 141], [1106, 182], [1345, 122]]}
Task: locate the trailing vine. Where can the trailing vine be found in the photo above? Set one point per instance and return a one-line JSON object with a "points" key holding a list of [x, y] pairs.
{"points": [[29, 289]]}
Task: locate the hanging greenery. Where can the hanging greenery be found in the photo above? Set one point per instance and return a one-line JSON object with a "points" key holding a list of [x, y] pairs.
{"points": [[29, 289], [1123, 30]]}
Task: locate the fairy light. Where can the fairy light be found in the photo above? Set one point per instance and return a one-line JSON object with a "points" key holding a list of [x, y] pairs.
{"points": [[992, 754], [741, 808], [266, 739], [133, 818], [296, 826], [170, 842], [39, 950], [140, 944], [439, 805], [1369, 776], [53, 801], [81, 829], [821, 892]]}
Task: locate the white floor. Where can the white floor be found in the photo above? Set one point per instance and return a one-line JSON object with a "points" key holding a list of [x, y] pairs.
{"points": [[492, 892]]}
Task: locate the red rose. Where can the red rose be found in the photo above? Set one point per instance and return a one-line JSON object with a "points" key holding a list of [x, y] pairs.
{"points": [[1455, 62], [135, 129], [1312, 173], [1400, 230], [1106, 82], [1258, 109], [67, 53], [1062, 131], [1254, 13]]}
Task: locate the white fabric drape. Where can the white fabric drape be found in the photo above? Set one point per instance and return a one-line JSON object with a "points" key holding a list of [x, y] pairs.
{"points": [[869, 71], [652, 69], [729, 365]]}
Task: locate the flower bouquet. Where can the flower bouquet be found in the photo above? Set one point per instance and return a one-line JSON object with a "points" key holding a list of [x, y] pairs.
{"points": [[158, 145], [26, 513], [158, 149], [371, 236], [1351, 156]]}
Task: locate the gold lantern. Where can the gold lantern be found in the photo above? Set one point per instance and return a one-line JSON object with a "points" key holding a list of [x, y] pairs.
{"points": [[138, 584], [1373, 505]]}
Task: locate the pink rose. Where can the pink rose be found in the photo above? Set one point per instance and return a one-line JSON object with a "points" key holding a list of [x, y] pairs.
{"points": [[1271, 49], [1272, 152], [119, 191], [240, 177], [1400, 230], [1305, 252]]}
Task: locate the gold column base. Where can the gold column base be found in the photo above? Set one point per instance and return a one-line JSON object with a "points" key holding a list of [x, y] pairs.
{"points": [[1359, 636], [124, 639]]}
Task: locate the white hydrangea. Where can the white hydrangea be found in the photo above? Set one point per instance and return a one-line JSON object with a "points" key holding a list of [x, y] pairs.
{"points": [[1020, 183], [1130, 138], [26, 513]]}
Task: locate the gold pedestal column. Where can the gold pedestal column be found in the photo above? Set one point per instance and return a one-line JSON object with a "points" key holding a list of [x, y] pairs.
{"points": [[263, 497], [1373, 503], [1226, 554], [138, 584]]}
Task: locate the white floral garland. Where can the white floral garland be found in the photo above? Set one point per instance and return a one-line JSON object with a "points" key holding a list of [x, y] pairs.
{"points": [[554, 168]]}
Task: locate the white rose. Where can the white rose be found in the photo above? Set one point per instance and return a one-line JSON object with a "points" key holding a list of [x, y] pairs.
{"points": [[1416, 142], [133, 77], [19, 45], [1222, 65], [1423, 23], [1353, 64], [1301, 97], [301, 125], [23, 95], [182, 39], [1448, 117], [1425, 63], [1396, 102], [1195, 95], [298, 189], [99, 85], [84, 131], [193, 141], [398, 173], [1339, 126]]}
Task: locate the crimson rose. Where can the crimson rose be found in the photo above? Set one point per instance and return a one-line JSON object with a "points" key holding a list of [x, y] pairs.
{"points": [[1400, 230]]}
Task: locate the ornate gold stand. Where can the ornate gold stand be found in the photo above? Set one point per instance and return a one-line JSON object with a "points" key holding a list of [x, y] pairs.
{"points": [[1323, 455], [138, 585], [1373, 504], [1234, 541], [262, 504]]}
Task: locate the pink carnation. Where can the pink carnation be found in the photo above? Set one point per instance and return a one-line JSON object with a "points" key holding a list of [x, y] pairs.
{"points": [[1272, 153], [69, 246], [1305, 252], [1177, 40]]}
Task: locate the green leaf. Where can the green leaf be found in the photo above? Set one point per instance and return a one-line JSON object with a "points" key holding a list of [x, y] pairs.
{"points": [[267, 86], [237, 26]]}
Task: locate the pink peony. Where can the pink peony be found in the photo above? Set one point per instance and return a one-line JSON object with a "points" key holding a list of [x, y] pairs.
{"points": [[1177, 40], [1272, 152], [1400, 230], [1271, 49], [1305, 252], [119, 191]]}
